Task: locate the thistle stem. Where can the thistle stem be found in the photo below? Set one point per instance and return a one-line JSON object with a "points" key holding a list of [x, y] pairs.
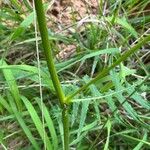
{"points": [[52, 70]]}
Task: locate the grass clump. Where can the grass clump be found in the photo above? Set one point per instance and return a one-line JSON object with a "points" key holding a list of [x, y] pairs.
{"points": [[94, 97]]}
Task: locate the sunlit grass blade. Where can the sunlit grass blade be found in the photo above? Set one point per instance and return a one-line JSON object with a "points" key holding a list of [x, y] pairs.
{"points": [[37, 122], [49, 123], [112, 106], [12, 85], [23, 26], [5, 104], [95, 62], [125, 24], [87, 128], [94, 92], [84, 57], [27, 4], [136, 139], [108, 125], [75, 110], [16, 4], [140, 144], [31, 70], [120, 97], [21, 122], [83, 116], [138, 98]]}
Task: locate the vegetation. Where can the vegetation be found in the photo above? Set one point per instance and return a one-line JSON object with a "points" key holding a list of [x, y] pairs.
{"points": [[83, 85]]}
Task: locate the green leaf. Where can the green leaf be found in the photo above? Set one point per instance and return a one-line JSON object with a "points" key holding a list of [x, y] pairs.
{"points": [[12, 84], [139, 146], [22, 123], [85, 130], [144, 103], [108, 125], [125, 71], [136, 139], [69, 63], [19, 31], [23, 26], [94, 92], [124, 23], [4, 103], [84, 110], [116, 80], [49, 123], [32, 70], [74, 112], [37, 122]]}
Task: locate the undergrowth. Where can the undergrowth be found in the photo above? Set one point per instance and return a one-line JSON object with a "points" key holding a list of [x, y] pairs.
{"points": [[106, 81]]}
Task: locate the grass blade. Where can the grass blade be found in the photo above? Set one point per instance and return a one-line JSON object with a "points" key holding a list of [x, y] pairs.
{"points": [[139, 146], [120, 97], [12, 85], [50, 124], [5, 105], [108, 125], [37, 122], [22, 123]]}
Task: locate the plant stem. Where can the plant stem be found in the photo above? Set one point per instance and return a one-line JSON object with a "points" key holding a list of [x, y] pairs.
{"points": [[47, 49], [52, 70], [65, 116]]}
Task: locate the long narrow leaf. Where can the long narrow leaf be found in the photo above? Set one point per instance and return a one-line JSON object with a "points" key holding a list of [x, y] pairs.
{"points": [[108, 135], [37, 122], [12, 85], [50, 124], [22, 123]]}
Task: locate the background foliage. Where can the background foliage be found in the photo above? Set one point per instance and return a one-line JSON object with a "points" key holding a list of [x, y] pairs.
{"points": [[113, 113]]}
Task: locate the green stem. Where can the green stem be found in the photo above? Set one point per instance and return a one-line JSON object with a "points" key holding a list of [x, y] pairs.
{"points": [[52, 70], [47, 49], [65, 116], [106, 70]]}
